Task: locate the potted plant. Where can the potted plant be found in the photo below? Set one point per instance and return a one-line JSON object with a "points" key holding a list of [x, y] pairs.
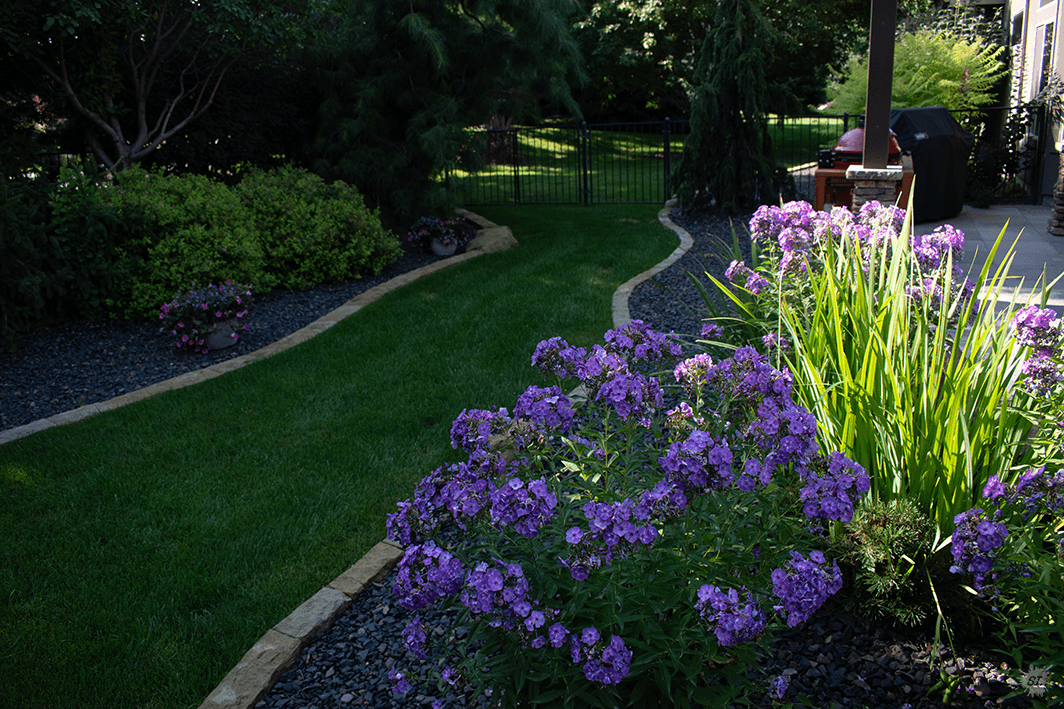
{"points": [[207, 318], [441, 236]]}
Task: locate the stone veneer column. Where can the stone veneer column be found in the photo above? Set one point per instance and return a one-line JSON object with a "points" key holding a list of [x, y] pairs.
{"points": [[874, 184]]}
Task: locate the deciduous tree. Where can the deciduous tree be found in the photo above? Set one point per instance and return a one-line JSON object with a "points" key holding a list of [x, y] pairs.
{"points": [[137, 72]]}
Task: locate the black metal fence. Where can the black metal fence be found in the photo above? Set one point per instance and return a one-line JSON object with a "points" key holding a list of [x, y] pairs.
{"points": [[631, 163]]}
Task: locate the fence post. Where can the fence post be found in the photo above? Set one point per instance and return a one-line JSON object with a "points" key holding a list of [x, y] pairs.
{"points": [[585, 161], [514, 142], [845, 121], [668, 160]]}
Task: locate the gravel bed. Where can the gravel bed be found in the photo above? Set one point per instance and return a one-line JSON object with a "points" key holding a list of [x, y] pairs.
{"points": [[82, 362]]}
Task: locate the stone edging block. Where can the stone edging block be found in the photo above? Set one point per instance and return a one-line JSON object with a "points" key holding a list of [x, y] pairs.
{"points": [[621, 313], [279, 648]]}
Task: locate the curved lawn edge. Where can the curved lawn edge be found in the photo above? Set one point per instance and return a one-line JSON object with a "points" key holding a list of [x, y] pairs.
{"points": [[276, 651], [489, 238], [621, 313]]}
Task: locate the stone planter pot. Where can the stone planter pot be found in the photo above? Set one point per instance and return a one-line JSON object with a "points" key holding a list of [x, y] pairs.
{"points": [[220, 336], [441, 249]]}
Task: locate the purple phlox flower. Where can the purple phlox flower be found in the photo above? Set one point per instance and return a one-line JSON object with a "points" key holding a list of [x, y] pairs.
{"points": [[756, 283], [777, 687], [414, 636], [474, 428], [974, 545], [525, 508], [557, 634], [682, 420], [425, 574], [749, 377], [605, 663], [662, 502], [637, 341], [734, 619], [880, 216], [785, 431], [1042, 374], [402, 684], [1038, 328], [497, 588], [599, 367], [691, 372], [994, 488], [711, 330], [555, 356], [547, 406], [737, 270], [699, 464], [773, 341], [631, 395], [832, 487], [803, 585]]}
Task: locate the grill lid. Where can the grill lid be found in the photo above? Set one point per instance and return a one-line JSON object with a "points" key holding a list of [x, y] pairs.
{"points": [[852, 143]]}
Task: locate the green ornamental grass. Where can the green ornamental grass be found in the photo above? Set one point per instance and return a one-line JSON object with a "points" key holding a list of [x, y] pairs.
{"points": [[910, 368]]}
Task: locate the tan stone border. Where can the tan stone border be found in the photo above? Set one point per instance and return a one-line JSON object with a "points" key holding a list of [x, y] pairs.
{"points": [[621, 314], [490, 238]]}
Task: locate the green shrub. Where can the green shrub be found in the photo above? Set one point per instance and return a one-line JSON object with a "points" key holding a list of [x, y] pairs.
{"points": [[285, 228], [930, 69], [194, 230], [312, 232], [59, 251], [888, 545]]}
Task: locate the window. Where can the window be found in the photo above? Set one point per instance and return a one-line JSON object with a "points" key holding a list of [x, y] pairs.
{"points": [[1046, 32]]}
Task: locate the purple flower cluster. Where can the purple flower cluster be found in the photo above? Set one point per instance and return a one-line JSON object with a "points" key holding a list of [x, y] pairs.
{"points": [[609, 524], [414, 637], [932, 250], [524, 507], [733, 619], [632, 395], [1041, 330], [474, 428], [555, 356], [691, 373], [832, 486], [755, 282], [698, 464], [605, 663], [975, 542], [546, 406], [425, 574], [636, 341], [457, 491], [804, 585], [662, 502], [497, 589]]}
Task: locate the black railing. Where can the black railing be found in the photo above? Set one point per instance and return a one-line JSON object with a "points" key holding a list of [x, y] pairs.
{"points": [[631, 163]]}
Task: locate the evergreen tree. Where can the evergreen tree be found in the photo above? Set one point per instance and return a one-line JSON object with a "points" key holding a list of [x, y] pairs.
{"points": [[410, 77], [727, 156]]}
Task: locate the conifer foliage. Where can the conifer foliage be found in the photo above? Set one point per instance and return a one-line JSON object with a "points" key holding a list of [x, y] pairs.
{"points": [[412, 76], [727, 157]]}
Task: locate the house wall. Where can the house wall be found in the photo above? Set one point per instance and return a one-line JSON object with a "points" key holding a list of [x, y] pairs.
{"points": [[1035, 40]]}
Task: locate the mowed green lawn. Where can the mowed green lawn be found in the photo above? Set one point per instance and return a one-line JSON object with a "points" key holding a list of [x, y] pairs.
{"points": [[144, 550]]}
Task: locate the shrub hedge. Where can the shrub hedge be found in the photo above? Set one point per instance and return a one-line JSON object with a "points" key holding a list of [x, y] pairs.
{"points": [[89, 248]]}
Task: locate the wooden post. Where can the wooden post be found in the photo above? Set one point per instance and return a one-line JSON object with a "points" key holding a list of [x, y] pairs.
{"points": [[880, 80]]}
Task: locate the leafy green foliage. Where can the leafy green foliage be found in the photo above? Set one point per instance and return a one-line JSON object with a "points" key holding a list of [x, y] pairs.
{"points": [[410, 77], [930, 69], [727, 156], [286, 228], [59, 251]]}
